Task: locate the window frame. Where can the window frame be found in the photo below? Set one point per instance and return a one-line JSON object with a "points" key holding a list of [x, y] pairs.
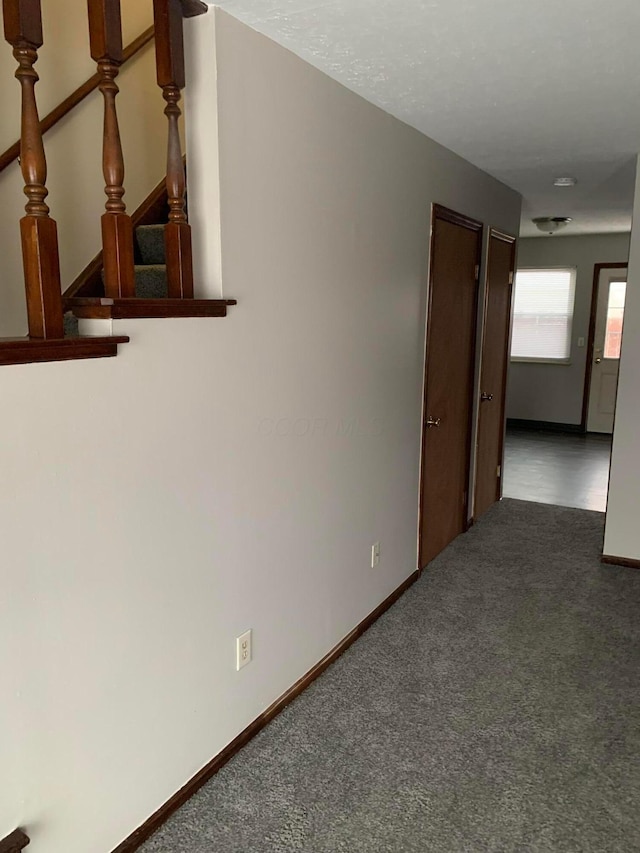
{"points": [[562, 362]]}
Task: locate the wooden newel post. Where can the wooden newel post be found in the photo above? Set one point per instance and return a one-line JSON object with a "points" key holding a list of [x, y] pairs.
{"points": [[23, 31], [171, 78], [105, 32]]}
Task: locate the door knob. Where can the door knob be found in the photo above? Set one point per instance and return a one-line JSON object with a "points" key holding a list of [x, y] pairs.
{"points": [[486, 398], [433, 422], [598, 360]]}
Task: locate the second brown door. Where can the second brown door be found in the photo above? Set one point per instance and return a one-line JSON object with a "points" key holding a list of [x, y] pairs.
{"points": [[447, 418], [493, 374]]}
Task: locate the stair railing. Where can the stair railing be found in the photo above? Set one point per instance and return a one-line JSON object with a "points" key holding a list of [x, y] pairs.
{"points": [[39, 234], [76, 97]]}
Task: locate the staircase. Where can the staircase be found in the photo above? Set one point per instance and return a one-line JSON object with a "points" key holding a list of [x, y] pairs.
{"points": [[146, 265], [150, 270], [151, 265]]}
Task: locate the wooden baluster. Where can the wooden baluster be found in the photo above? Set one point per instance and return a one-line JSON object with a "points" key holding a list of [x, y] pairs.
{"points": [[171, 78], [23, 31], [105, 31]]}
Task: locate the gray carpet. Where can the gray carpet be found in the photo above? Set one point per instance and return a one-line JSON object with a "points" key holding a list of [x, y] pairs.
{"points": [[493, 708], [150, 244]]}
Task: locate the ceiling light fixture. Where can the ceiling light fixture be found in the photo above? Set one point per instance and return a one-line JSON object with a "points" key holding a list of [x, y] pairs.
{"points": [[565, 182], [551, 224]]}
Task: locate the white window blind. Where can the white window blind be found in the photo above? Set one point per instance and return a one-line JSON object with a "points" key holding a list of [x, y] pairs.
{"points": [[542, 314]]}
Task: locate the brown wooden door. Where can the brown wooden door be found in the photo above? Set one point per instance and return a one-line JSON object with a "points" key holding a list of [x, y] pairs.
{"points": [[493, 372], [456, 245]]}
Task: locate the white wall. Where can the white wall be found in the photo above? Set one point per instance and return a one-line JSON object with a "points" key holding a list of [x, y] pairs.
{"points": [[621, 535], [554, 392], [220, 475], [74, 146]]}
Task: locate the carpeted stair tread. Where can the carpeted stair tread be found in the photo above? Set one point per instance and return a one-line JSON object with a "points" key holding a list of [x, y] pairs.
{"points": [[70, 325], [150, 240], [151, 281]]}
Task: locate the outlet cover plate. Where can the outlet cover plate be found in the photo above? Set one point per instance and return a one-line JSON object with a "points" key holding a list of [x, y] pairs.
{"points": [[244, 650]]}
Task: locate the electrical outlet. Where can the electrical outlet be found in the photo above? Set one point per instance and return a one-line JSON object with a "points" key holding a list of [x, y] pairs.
{"points": [[243, 650], [375, 554]]}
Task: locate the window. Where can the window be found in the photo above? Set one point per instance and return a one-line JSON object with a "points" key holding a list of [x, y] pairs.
{"points": [[542, 314], [615, 315]]}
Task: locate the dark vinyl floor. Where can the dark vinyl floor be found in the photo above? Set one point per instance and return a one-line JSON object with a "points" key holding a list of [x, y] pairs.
{"points": [[557, 468]]}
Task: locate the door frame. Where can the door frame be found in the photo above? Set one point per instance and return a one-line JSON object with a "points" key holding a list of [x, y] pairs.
{"points": [[513, 240], [439, 211], [597, 269]]}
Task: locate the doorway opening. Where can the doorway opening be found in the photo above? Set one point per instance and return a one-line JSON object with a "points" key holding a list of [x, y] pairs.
{"points": [[560, 462]]}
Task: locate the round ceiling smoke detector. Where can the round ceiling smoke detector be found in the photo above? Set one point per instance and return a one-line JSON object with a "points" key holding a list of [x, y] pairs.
{"points": [[565, 182], [551, 224]]}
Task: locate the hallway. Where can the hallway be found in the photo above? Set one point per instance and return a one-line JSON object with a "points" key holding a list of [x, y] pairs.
{"points": [[493, 708], [567, 469]]}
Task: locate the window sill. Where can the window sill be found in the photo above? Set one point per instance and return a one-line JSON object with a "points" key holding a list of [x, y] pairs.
{"points": [[31, 350], [562, 362]]}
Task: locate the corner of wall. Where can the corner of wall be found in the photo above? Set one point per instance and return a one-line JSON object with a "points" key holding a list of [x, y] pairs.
{"points": [[621, 526]]}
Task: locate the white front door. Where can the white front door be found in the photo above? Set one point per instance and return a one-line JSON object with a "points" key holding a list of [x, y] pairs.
{"points": [[612, 285]]}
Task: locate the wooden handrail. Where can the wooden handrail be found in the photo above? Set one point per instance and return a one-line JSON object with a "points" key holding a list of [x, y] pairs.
{"points": [[76, 97], [14, 842]]}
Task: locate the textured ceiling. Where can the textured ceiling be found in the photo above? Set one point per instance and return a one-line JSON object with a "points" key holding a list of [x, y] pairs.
{"points": [[525, 89]]}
